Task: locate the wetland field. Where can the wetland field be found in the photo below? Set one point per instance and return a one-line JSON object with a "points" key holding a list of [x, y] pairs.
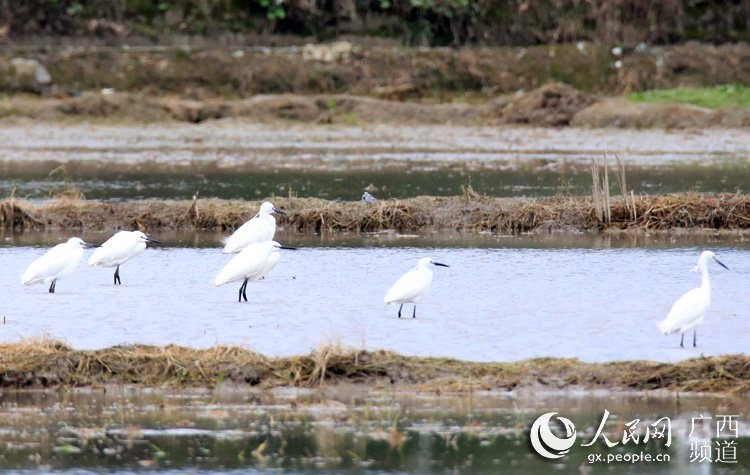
{"points": [[551, 302]]}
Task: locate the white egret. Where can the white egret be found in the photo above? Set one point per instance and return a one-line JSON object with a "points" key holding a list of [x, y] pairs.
{"points": [[688, 311], [259, 229], [119, 249], [56, 263], [250, 264], [412, 285]]}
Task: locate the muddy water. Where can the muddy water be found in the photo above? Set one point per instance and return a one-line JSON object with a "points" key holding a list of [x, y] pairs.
{"points": [[345, 430], [503, 298], [233, 159]]}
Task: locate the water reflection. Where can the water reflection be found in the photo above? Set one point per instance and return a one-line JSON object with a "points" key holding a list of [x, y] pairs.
{"points": [[342, 430]]}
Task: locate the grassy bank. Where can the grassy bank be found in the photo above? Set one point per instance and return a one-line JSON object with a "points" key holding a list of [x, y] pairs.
{"points": [[735, 95], [44, 363], [471, 212]]}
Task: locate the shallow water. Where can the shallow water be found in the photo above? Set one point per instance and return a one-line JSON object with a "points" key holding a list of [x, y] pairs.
{"points": [[395, 179], [231, 159], [344, 430], [503, 298]]}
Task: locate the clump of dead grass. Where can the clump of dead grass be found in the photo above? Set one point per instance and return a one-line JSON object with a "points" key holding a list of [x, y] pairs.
{"points": [[41, 362], [16, 217]]}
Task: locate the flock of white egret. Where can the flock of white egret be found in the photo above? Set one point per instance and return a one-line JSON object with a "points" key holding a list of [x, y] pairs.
{"points": [[257, 253]]}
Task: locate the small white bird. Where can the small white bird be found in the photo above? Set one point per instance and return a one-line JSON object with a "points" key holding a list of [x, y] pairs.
{"points": [[412, 285], [368, 198], [688, 311], [259, 229], [56, 263], [250, 264], [119, 249]]}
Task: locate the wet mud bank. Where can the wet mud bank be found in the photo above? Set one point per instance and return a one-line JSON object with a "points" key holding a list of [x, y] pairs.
{"points": [[41, 364], [469, 212], [552, 105]]}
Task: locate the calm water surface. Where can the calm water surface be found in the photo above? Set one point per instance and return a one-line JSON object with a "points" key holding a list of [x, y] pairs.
{"points": [[503, 298], [390, 178], [343, 431]]}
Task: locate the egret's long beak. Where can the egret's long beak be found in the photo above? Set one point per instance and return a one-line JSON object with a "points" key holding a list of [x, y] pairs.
{"points": [[89, 245], [441, 265], [153, 240], [289, 248], [279, 211], [720, 263]]}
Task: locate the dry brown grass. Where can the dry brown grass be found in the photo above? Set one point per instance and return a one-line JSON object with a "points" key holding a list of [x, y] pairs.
{"points": [[36, 363], [471, 211]]}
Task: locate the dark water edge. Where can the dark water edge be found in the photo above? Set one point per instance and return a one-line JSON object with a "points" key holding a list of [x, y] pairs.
{"points": [[532, 178]]}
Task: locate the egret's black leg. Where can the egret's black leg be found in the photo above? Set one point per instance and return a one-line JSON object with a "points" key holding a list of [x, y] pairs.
{"points": [[117, 275], [52, 287], [399, 310], [695, 332], [243, 287], [414, 315], [682, 338]]}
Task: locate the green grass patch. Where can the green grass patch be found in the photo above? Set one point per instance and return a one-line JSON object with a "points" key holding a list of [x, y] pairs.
{"points": [[734, 95]]}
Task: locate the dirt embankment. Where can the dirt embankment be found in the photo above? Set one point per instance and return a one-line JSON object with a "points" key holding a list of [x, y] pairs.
{"points": [[553, 105], [351, 83], [414, 74], [39, 364], [471, 212]]}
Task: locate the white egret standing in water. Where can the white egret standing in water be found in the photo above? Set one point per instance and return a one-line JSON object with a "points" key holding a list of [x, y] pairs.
{"points": [[250, 264], [119, 249], [56, 263], [688, 311], [259, 229], [412, 285]]}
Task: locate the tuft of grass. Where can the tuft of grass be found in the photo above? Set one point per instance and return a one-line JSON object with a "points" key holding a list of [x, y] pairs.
{"points": [[733, 95]]}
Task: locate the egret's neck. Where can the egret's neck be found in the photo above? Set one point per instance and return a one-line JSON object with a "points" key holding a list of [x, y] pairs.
{"points": [[424, 268], [705, 282]]}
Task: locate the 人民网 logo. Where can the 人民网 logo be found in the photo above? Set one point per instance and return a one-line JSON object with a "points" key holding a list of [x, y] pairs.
{"points": [[548, 444]]}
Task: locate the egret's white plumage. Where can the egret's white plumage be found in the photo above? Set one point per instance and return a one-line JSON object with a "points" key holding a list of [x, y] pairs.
{"points": [[412, 285], [118, 249], [250, 264], [55, 263], [259, 229], [688, 311]]}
